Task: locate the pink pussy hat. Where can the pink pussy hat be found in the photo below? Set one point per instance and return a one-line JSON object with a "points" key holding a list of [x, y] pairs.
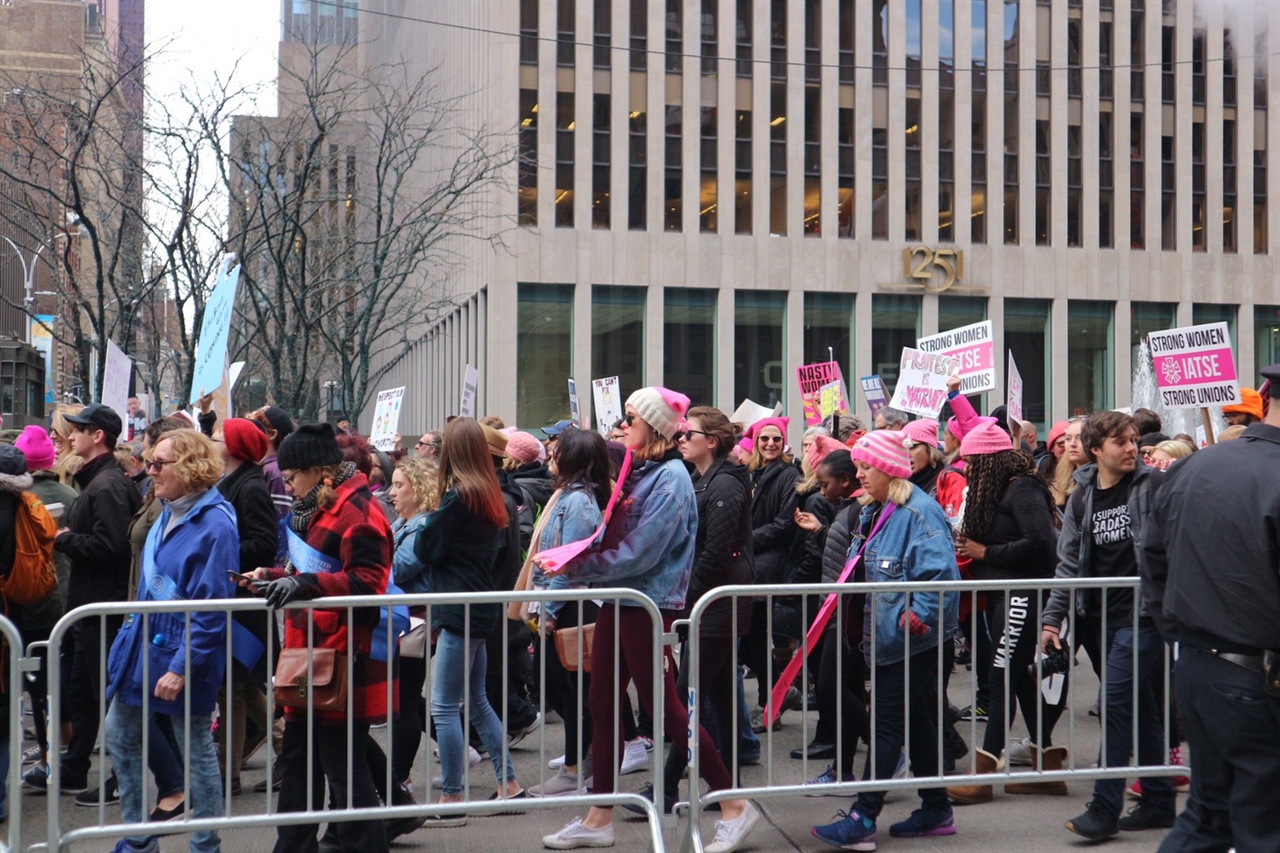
{"points": [[885, 450], [985, 438]]}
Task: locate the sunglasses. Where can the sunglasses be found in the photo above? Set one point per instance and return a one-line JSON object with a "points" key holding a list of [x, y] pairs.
{"points": [[769, 439], [629, 419], [157, 465], [696, 432]]}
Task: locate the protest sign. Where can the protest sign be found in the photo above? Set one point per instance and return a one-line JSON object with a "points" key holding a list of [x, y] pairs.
{"points": [[873, 390], [115, 379], [812, 377], [922, 382], [1015, 391], [215, 327], [608, 403], [42, 340], [749, 412], [974, 348], [1194, 366], [831, 399], [386, 419], [470, 379], [575, 413]]}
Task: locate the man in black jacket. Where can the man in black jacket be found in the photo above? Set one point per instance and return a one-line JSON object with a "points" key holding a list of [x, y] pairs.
{"points": [[96, 539], [1211, 583]]}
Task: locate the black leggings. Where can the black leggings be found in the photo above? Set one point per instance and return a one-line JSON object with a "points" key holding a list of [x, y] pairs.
{"points": [[844, 676], [718, 683], [1015, 651]]}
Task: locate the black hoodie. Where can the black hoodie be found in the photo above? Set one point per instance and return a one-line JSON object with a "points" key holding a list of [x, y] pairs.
{"points": [[722, 552]]}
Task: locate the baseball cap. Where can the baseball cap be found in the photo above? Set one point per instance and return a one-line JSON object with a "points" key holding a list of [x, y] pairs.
{"points": [[98, 416], [557, 427]]}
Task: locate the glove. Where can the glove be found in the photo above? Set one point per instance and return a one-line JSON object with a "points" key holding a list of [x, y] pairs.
{"points": [[909, 621], [281, 591]]}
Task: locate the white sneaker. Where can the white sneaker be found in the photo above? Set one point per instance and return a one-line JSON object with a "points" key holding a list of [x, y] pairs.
{"points": [[634, 757], [731, 833], [560, 785], [1019, 753], [556, 763], [473, 759], [575, 835]]}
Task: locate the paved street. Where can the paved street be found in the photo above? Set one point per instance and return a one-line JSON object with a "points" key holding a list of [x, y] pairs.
{"points": [[1011, 823]]}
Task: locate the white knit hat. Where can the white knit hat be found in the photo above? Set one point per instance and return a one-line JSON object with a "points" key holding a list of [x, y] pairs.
{"points": [[661, 408]]}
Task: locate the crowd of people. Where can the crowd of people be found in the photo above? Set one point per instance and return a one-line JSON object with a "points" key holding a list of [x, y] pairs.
{"points": [[685, 502]]}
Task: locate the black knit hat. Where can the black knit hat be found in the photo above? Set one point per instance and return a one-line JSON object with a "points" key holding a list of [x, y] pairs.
{"points": [[280, 421], [309, 446], [13, 461]]}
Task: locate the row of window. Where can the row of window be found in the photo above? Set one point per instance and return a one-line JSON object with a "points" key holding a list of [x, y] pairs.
{"points": [[544, 342], [928, 138]]}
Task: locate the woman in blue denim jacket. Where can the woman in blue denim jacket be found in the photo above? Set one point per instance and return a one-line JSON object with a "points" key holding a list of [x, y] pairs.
{"points": [[581, 466], [648, 546], [910, 540]]}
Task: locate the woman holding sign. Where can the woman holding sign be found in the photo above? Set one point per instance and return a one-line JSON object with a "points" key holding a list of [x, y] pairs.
{"points": [[649, 544]]}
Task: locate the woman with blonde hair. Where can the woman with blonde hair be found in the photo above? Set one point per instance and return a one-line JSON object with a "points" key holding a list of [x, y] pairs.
{"points": [[66, 463]]}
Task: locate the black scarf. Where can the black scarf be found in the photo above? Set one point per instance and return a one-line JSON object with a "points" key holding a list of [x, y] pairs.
{"points": [[305, 509]]}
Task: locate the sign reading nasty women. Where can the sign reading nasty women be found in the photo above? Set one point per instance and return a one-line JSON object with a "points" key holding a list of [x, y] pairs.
{"points": [[1195, 366], [922, 382]]}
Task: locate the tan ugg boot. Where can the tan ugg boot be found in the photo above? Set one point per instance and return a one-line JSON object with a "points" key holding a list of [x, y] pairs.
{"points": [[1054, 758], [970, 795]]}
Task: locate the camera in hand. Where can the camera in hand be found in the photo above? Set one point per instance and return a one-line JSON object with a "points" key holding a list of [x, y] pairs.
{"points": [[1056, 662]]}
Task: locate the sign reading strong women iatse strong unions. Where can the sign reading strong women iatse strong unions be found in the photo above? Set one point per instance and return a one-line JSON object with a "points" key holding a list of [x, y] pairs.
{"points": [[1195, 366]]}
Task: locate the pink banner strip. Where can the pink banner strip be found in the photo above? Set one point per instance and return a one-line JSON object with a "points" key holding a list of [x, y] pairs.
{"points": [[554, 560]]}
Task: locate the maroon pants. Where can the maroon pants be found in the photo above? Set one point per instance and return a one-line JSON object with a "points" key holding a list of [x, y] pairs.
{"points": [[633, 630]]}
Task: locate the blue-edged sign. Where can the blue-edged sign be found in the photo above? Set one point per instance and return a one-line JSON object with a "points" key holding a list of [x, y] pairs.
{"points": [[211, 347]]}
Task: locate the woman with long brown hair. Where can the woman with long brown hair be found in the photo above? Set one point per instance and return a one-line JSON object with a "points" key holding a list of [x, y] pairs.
{"points": [[459, 544]]}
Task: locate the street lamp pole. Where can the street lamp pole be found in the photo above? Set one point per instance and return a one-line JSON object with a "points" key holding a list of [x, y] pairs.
{"points": [[28, 278]]}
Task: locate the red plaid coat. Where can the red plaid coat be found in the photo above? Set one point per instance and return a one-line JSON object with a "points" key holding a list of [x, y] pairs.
{"points": [[355, 530]]}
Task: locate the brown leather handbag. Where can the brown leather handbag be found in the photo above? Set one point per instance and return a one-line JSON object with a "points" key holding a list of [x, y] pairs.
{"points": [[567, 642], [327, 688]]}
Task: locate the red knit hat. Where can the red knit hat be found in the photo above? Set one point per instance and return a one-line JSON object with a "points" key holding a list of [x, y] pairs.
{"points": [[985, 438], [886, 450], [245, 440]]}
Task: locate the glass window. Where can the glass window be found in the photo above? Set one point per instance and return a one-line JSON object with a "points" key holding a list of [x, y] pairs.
{"points": [[601, 53], [845, 42], [707, 215], [913, 43], [978, 44], [895, 323], [565, 10], [564, 159], [675, 36], [617, 335], [912, 196], [828, 330], [946, 166], [527, 165], [638, 181], [1106, 180], [1266, 336], [812, 204], [710, 37], [1168, 196], [639, 36], [844, 171], [778, 40], [528, 32], [1148, 317], [673, 202], [812, 45], [1137, 180], [1044, 210], [742, 173], [1229, 187], [544, 352], [879, 183], [1207, 313], [1091, 380], [778, 160], [744, 38], [1026, 335], [946, 44], [759, 361], [1260, 186], [978, 172], [880, 42], [1199, 243], [600, 142], [689, 342]]}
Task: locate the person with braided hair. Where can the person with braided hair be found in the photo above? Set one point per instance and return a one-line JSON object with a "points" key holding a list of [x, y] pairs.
{"points": [[1009, 532]]}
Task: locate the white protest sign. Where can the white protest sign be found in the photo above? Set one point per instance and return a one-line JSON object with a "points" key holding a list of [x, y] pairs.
{"points": [[470, 381], [749, 412], [386, 419], [1015, 391], [1195, 366], [115, 379], [974, 347], [215, 327], [922, 382], [608, 403]]}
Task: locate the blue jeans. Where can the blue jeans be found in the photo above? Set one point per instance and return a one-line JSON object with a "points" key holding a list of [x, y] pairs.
{"points": [[1157, 791], [463, 664], [747, 741], [124, 732]]}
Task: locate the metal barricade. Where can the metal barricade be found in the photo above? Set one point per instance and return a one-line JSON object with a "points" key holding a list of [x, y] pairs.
{"points": [[1035, 590], [59, 837], [15, 668]]}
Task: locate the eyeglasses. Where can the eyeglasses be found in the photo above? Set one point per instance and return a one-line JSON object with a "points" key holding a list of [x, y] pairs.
{"points": [[288, 481], [157, 465], [769, 439]]}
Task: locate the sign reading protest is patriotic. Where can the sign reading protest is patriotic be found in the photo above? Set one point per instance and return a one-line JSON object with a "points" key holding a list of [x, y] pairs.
{"points": [[812, 377], [873, 390], [1195, 366], [922, 382], [1015, 391], [608, 403], [386, 419], [974, 347]]}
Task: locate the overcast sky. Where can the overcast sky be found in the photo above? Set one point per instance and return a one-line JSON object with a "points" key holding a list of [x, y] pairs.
{"points": [[208, 38]]}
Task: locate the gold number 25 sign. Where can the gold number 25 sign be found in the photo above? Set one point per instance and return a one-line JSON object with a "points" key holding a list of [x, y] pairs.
{"points": [[921, 262]]}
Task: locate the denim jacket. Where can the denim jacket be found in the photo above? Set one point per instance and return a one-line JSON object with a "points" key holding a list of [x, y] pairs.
{"points": [[649, 543], [406, 569], [914, 545], [575, 515]]}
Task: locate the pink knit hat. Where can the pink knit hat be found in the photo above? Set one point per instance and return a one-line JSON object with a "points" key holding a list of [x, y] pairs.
{"points": [[923, 431], [985, 438], [661, 408], [781, 423], [36, 446], [885, 450], [522, 447], [822, 446]]}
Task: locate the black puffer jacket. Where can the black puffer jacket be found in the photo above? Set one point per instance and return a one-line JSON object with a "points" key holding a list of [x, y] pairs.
{"points": [[722, 549], [773, 524], [835, 553], [246, 490], [807, 548]]}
